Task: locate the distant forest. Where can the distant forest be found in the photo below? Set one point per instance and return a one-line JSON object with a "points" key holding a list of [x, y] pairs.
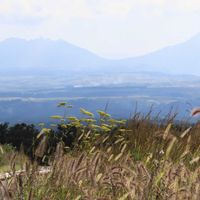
{"points": [[23, 137]]}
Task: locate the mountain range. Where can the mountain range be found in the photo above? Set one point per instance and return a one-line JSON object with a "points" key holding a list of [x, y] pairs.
{"points": [[50, 57]]}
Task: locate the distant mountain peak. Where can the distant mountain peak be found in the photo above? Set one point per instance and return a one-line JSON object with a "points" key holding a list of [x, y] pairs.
{"points": [[45, 56], [194, 40]]}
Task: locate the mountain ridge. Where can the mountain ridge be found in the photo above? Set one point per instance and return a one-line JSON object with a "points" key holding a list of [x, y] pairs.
{"points": [[45, 56]]}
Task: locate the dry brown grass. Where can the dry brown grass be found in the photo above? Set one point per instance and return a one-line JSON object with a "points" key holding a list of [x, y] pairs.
{"points": [[141, 161], [94, 177]]}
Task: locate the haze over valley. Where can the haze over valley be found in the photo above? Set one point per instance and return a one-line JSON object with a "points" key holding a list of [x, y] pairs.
{"points": [[37, 74]]}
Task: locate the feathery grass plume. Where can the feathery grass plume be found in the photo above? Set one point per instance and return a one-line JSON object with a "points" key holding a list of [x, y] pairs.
{"points": [[167, 131], [185, 132], [72, 118], [111, 157], [195, 160], [105, 128], [195, 111], [4, 192], [92, 149], [159, 177], [95, 127], [57, 117], [187, 148], [123, 148], [86, 112], [44, 131], [105, 139], [170, 146], [109, 149], [78, 197], [148, 158], [88, 120], [103, 114], [118, 156], [40, 150], [119, 140], [98, 177], [119, 122], [125, 196], [1, 149]]}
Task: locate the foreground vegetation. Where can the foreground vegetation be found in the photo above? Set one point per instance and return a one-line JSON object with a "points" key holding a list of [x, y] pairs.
{"points": [[108, 159]]}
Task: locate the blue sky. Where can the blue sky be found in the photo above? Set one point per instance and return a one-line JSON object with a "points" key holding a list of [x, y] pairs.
{"points": [[110, 28]]}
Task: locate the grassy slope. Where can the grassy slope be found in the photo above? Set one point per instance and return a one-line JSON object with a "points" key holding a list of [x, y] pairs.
{"points": [[112, 160]]}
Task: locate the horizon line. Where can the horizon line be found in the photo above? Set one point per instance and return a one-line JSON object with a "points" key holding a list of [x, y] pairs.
{"points": [[93, 52]]}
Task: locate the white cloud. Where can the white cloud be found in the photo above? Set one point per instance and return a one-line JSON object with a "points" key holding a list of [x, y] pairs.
{"points": [[112, 7], [188, 5], [108, 27], [49, 9], [66, 10]]}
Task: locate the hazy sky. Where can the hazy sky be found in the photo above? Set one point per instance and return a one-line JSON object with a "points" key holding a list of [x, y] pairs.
{"points": [[111, 28]]}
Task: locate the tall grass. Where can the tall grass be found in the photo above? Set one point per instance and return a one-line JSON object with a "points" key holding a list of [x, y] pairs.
{"points": [[113, 159]]}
